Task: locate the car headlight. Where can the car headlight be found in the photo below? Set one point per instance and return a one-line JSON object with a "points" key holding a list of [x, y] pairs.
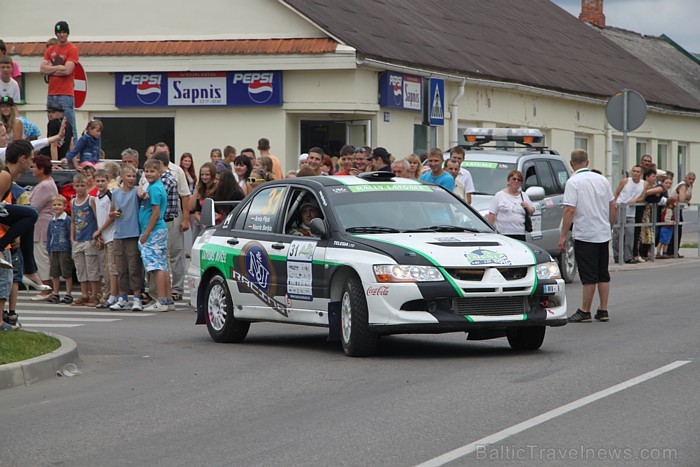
{"points": [[400, 273], [548, 270]]}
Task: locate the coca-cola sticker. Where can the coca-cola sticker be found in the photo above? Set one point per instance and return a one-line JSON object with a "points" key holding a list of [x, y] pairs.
{"points": [[382, 290]]}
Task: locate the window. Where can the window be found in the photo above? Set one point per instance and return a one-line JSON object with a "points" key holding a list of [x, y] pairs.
{"points": [[618, 172], [560, 173], [546, 178], [581, 142], [682, 161], [264, 210], [641, 150], [662, 156]]}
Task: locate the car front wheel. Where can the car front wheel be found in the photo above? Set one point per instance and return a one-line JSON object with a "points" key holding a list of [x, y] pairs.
{"points": [[221, 324], [526, 338], [357, 338]]}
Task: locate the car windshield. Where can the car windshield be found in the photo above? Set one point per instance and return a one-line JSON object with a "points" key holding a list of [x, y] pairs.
{"points": [[489, 177], [393, 208]]}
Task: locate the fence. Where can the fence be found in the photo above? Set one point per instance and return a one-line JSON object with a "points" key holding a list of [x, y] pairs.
{"points": [[622, 226]]}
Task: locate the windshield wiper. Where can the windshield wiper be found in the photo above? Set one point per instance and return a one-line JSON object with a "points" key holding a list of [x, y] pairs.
{"points": [[372, 229], [444, 228]]}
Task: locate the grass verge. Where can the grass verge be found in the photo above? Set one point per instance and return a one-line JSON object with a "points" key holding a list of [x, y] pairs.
{"points": [[19, 345], [689, 245]]}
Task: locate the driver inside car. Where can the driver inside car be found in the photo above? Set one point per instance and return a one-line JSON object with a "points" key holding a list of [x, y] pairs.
{"points": [[309, 211]]}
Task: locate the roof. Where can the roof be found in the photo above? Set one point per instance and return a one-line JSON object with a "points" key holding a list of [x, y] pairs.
{"points": [[213, 47], [662, 54], [534, 43]]}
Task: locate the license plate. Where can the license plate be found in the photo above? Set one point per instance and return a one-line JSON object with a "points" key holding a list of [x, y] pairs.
{"points": [[552, 288]]}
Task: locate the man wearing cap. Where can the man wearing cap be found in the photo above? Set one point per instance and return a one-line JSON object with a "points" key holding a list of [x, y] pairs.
{"points": [[58, 64], [309, 211], [58, 150], [379, 160]]}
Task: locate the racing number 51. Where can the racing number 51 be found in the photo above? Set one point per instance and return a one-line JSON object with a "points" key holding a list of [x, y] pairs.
{"points": [[273, 203]]}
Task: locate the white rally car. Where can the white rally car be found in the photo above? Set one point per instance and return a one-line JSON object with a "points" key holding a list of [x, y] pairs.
{"points": [[385, 256]]}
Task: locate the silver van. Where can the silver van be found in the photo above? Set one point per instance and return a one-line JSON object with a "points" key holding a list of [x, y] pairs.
{"points": [[491, 153]]}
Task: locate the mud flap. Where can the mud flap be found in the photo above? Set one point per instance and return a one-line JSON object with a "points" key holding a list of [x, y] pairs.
{"points": [[334, 321]]}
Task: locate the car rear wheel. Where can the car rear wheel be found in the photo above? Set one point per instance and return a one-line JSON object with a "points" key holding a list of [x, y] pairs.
{"points": [[567, 261], [357, 338], [526, 338], [221, 324]]}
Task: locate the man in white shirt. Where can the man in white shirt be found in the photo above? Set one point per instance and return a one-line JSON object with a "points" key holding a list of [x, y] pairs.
{"points": [[590, 205], [8, 86], [629, 191], [464, 177]]}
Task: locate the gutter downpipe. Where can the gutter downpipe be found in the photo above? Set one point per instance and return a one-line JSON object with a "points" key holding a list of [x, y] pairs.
{"points": [[454, 114], [608, 153]]}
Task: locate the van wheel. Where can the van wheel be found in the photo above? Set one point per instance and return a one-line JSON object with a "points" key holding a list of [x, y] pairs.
{"points": [[567, 261]]}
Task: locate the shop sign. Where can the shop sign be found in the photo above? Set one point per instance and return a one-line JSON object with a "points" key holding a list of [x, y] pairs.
{"points": [[399, 91], [233, 88]]}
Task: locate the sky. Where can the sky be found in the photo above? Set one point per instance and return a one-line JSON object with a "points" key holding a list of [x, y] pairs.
{"points": [[675, 18]]}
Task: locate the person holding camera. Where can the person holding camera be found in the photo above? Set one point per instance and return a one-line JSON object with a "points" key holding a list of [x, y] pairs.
{"points": [[508, 208]]}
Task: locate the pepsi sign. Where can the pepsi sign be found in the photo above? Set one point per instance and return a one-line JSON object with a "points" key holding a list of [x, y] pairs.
{"points": [[399, 91], [234, 88]]}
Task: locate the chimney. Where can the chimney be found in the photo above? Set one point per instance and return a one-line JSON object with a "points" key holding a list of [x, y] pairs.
{"points": [[592, 12]]}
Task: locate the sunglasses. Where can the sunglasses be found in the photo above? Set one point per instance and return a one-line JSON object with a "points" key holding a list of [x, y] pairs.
{"points": [[360, 150], [516, 179]]}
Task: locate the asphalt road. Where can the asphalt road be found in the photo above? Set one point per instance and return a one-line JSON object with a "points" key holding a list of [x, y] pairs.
{"points": [[157, 391]]}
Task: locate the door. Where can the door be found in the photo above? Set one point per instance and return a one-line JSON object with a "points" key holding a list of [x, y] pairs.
{"points": [[359, 133]]}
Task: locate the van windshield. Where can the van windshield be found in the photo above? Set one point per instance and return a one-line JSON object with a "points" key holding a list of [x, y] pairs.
{"points": [[489, 177]]}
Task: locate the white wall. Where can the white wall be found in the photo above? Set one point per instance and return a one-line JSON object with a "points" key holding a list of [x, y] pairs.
{"points": [[33, 20]]}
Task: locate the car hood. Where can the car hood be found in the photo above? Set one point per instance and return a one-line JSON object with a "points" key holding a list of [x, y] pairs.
{"points": [[455, 249]]}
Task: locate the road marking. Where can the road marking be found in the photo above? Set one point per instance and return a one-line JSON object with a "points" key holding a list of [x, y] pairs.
{"points": [[545, 417], [86, 320], [86, 313]]}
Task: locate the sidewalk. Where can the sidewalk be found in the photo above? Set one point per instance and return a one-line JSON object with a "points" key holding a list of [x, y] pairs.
{"points": [[690, 255]]}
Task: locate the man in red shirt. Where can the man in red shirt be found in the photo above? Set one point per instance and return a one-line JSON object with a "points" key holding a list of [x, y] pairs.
{"points": [[58, 64], [347, 153]]}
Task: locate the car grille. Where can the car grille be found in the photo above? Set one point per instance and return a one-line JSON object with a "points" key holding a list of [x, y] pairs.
{"points": [[490, 305], [476, 274]]}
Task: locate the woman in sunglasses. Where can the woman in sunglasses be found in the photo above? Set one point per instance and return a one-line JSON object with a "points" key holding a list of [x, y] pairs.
{"points": [[507, 208]]}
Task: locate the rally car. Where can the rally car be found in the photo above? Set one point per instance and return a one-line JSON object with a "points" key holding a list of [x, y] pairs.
{"points": [[383, 255]]}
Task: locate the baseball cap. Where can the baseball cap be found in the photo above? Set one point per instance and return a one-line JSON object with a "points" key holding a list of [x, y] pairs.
{"points": [[54, 108], [312, 203], [379, 152], [62, 26], [7, 100], [302, 157]]}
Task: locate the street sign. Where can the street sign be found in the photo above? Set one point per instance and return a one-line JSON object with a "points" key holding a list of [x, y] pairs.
{"points": [[79, 86], [436, 102], [626, 110]]}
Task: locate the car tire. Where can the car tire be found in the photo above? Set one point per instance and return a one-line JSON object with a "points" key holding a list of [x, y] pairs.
{"points": [[221, 324], [567, 261], [357, 338], [526, 338]]}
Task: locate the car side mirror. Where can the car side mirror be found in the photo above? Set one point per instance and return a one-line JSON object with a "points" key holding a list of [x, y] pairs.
{"points": [[207, 216], [318, 227], [535, 193]]}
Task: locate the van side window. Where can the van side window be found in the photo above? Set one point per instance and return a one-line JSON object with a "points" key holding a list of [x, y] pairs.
{"points": [[544, 172], [560, 173]]}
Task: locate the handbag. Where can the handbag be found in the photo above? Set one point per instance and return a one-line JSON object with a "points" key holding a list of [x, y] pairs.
{"points": [[528, 219]]}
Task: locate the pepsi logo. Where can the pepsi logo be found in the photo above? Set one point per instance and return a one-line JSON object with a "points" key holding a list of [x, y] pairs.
{"points": [[148, 93], [260, 91], [396, 83]]}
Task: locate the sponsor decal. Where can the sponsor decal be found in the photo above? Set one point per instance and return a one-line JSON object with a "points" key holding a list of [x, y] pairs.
{"points": [[343, 244], [381, 291], [323, 198], [449, 239], [483, 257], [339, 189], [388, 187], [480, 164], [254, 271]]}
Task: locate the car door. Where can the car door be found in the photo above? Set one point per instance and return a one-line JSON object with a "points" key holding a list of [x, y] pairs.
{"points": [[551, 206], [258, 259]]}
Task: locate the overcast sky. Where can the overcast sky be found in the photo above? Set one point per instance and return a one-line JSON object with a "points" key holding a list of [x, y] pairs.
{"points": [[678, 19]]}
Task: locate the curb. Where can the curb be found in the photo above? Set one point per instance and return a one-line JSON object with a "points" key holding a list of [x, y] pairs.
{"points": [[39, 368]]}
